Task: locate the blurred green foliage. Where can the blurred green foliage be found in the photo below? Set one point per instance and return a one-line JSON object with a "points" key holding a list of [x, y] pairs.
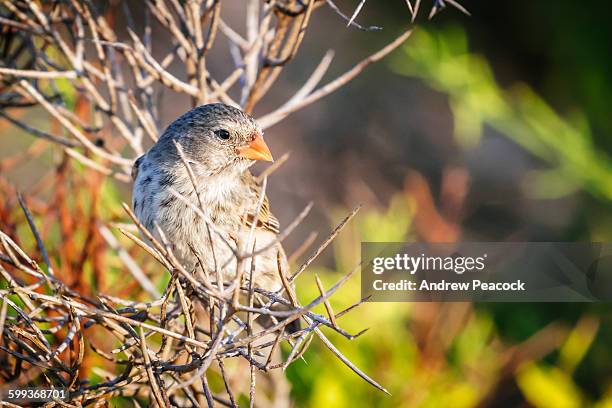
{"points": [[443, 61], [469, 369], [389, 352], [459, 366]]}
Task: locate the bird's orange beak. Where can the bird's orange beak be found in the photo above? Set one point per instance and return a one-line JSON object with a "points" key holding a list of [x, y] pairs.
{"points": [[256, 150]]}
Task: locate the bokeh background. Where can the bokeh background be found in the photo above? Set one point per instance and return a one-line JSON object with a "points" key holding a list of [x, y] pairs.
{"points": [[492, 127]]}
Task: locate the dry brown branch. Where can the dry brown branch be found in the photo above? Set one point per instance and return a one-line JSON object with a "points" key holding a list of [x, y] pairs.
{"points": [[170, 373], [116, 75]]}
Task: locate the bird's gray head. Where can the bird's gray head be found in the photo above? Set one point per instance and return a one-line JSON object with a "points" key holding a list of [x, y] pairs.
{"points": [[217, 137]]}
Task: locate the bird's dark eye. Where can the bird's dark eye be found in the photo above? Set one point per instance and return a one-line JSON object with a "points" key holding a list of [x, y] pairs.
{"points": [[222, 134]]}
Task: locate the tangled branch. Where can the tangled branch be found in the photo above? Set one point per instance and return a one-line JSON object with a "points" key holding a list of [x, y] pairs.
{"points": [[166, 348], [60, 51]]}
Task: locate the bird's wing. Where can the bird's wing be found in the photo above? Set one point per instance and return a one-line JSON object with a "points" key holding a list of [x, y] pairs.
{"points": [[136, 167], [265, 219]]}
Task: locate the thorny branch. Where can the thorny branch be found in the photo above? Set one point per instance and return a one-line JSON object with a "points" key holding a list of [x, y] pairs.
{"points": [[57, 52], [185, 351]]}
